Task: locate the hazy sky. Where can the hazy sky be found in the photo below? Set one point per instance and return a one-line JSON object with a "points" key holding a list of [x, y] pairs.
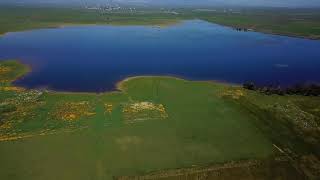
{"points": [[280, 3]]}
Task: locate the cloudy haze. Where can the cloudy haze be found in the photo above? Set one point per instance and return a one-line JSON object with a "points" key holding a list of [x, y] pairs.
{"points": [[277, 3]]}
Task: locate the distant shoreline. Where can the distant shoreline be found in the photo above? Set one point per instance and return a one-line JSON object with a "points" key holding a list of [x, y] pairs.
{"points": [[162, 25]]}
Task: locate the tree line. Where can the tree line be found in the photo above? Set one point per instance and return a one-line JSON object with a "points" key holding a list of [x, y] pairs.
{"points": [[298, 89]]}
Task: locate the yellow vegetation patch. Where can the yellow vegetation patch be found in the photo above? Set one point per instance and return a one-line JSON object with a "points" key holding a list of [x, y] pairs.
{"points": [[141, 111], [233, 93], [18, 110], [108, 108], [70, 111], [12, 88], [6, 125], [16, 136], [12, 138], [4, 70]]}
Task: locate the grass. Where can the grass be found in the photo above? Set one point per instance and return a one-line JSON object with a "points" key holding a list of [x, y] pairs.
{"points": [[290, 22], [242, 170], [299, 23], [18, 19], [11, 70], [52, 135]]}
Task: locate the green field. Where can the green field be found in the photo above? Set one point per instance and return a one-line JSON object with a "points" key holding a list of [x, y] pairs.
{"points": [[150, 124], [290, 22], [25, 18]]}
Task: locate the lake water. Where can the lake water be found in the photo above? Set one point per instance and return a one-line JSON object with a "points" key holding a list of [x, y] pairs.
{"points": [[94, 58]]}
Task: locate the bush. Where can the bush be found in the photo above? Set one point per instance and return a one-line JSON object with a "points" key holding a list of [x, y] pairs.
{"points": [[249, 85], [299, 89]]}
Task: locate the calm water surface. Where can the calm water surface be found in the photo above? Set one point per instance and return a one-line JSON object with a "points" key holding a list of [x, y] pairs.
{"points": [[94, 58]]}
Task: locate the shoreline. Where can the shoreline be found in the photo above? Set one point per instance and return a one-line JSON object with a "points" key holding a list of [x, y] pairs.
{"points": [[164, 25], [65, 25], [269, 32], [129, 78], [118, 85]]}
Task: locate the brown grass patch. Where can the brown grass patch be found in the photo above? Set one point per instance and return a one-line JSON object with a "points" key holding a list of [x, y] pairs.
{"points": [[12, 88], [4, 70], [6, 125], [71, 111], [108, 107], [233, 93]]}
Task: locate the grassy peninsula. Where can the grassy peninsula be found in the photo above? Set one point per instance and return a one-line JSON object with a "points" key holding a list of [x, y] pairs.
{"points": [[153, 124]]}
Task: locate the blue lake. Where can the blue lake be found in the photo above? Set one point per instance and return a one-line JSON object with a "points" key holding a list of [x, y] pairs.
{"points": [[94, 58]]}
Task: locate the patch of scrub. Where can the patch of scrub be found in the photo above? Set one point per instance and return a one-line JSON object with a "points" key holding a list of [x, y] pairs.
{"points": [[71, 111], [142, 111], [20, 107], [17, 111], [11, 70], [16, 136], [12, 88], [4, 70], [108, 107], [234, 93], [302, 119]]}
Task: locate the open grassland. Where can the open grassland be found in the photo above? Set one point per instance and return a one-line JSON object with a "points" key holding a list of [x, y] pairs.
{"points": [[291, 22], [153, 124]]}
